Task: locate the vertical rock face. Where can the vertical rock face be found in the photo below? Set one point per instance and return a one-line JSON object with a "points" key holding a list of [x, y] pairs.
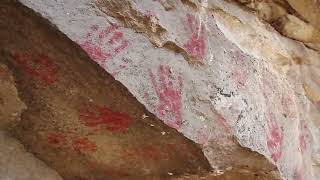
{"points": [[215, 72]]}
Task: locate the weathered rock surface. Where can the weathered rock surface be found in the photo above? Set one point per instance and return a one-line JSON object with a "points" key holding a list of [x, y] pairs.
{"points": [[219, 74], [80, 120], [10, 104], [17, 164]]}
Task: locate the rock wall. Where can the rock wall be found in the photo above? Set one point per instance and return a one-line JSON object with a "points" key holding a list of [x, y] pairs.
{"points": [[213, 70]]}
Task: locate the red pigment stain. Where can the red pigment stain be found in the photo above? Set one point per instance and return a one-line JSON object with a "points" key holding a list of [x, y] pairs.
{"points": [[202, 137], [39, 66], [298, 174], [303, 144], [57, 139], [288, 106], [275, 138], [4, 74], [303, 136], [97, 116], [268, 85], [83, 144], [170, 101], [224, 123], [70, 141], [196, 45], [97, 39], [117, 71], [240, 77]]}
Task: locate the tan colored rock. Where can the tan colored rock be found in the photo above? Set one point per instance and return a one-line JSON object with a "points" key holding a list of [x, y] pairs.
{"points": [[18, 164], [11, 106], [308, 9]]}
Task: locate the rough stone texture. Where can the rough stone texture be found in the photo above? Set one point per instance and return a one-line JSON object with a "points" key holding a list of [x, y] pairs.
{"points": [[80, 120], [17, 164], [214, 71], [10, 104]]}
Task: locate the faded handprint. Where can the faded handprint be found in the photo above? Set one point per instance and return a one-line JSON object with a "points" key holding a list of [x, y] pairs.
{"points": [[169, 92], [71, 141], [97, 39], [196, 45], [39, 66], [275, 137], [96, 117]]}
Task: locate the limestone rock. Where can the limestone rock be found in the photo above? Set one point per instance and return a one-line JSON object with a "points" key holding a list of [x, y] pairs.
{"points": [[219, 72]]}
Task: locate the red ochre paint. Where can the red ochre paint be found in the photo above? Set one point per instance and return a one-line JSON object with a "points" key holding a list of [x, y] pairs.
{"points": [[224, 123], [303, 136], [71, 141], [39, 66], [298, 174], [196, 45], [275, 137], [96, 116], [104, 44], [239, 74], [302, 143], [288, 106], [83, 144], [202, 136], [169, 92], [57, 139]]}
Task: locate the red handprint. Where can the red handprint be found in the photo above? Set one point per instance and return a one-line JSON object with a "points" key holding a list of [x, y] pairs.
{"points": [[275, 137], [170, 102], [196, 45], [38, 66], [96, 116], [71, 141], [81, 144], [288, 106], [96, 40], [57, 139]]}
